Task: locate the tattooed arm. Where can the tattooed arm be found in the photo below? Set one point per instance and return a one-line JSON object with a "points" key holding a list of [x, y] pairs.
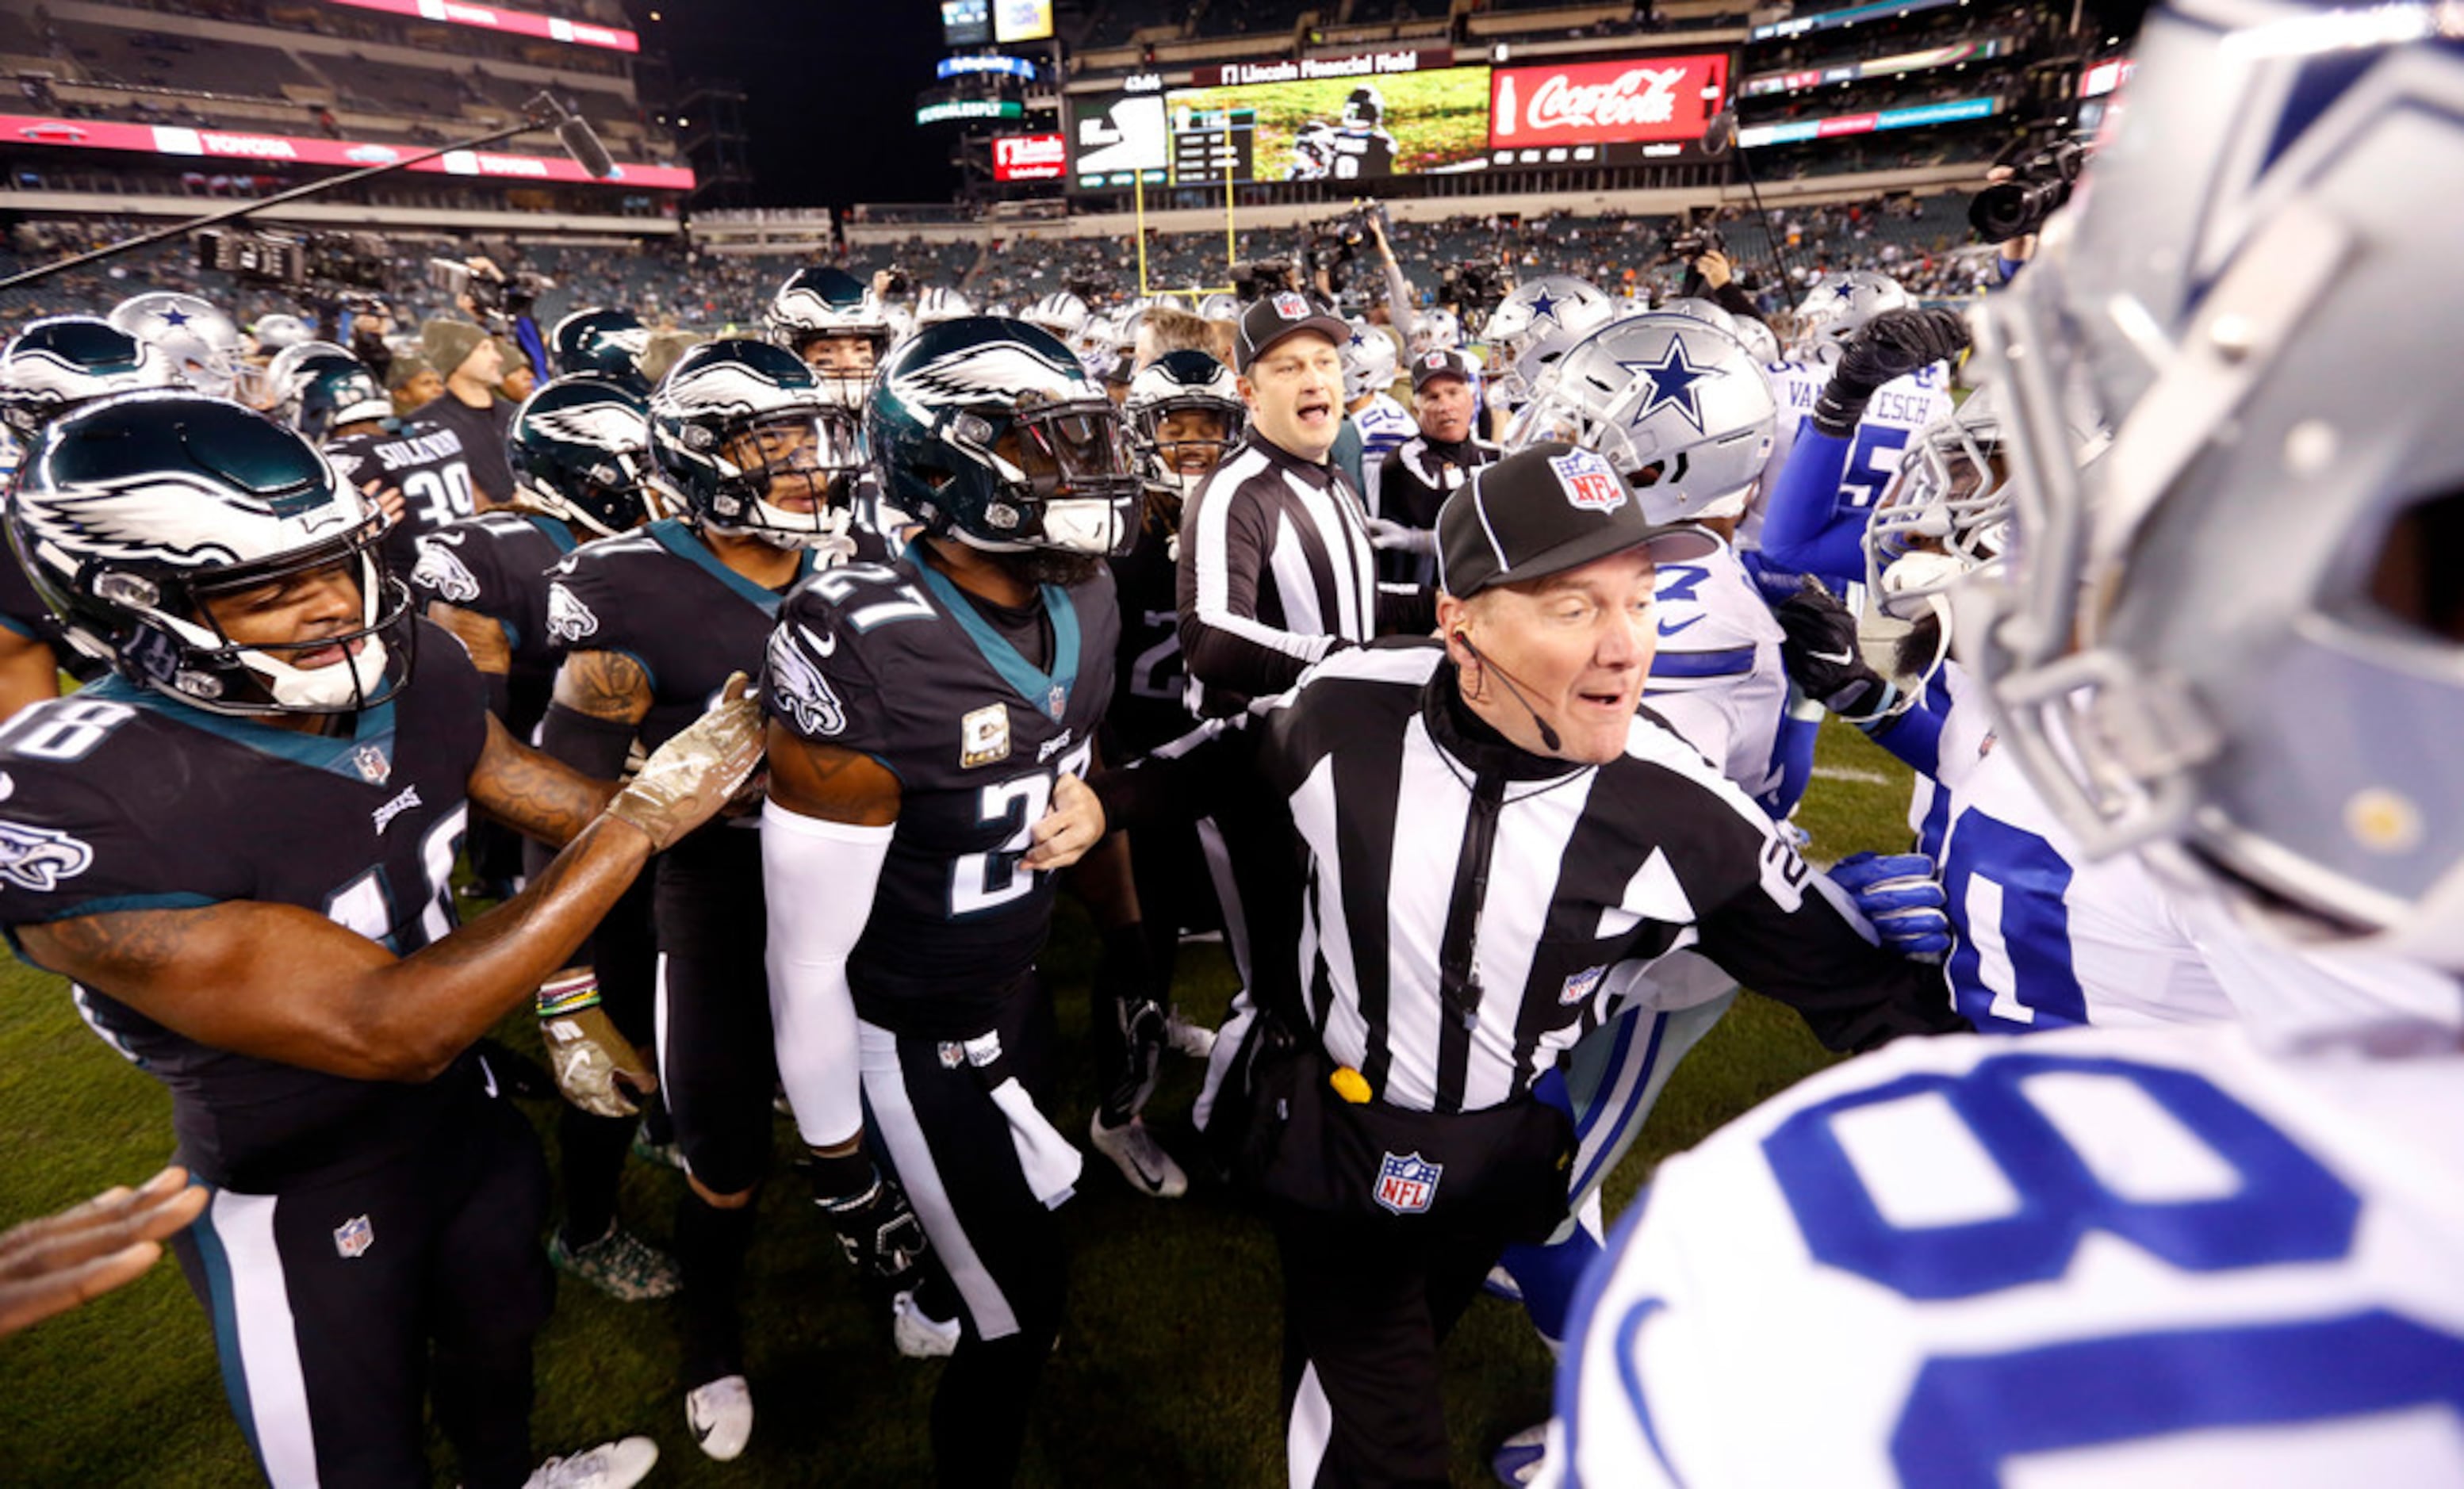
{"points": [[492, 651]]}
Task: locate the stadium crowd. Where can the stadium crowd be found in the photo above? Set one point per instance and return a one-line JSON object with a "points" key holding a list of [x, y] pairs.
{"points": [[1444, 615]]}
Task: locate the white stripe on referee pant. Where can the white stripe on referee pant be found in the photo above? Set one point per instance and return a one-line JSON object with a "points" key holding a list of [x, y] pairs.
{"points": [[269, 1341], [1235, 1029], [1312, 1430], [884, 1088]]}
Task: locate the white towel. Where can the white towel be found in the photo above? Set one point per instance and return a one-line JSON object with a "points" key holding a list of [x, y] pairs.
{"points": [[1049, 1161]]}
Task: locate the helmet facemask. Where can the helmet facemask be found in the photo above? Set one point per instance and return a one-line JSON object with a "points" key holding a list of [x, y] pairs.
{"points": [[1061, 473], [787, 478], [844, 385]]}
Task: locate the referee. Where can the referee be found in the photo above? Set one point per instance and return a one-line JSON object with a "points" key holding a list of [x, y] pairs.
{"points": [[1490, 839]]}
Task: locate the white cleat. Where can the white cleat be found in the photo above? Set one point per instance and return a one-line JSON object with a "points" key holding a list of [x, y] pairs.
{"points": [[611, 1465], [1140, 1159], [720, 1414], [1195, 1040], [919, 1336]]}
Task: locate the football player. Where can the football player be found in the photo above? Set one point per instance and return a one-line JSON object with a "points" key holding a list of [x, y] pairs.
{"points": [[580, 453], [604, 342], [1375, 424], [239, 848], [1356, 145], [836, 326], [931, 723], [2152, 1256], [416, 462], [202, 344], [649, 623]]}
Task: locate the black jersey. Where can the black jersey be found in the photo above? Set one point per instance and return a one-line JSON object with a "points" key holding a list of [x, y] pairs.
{"points": [[662, 598], [892, 661], [497, 566], [122, 799], [1148, 708], [23, 611], [427, 462]]}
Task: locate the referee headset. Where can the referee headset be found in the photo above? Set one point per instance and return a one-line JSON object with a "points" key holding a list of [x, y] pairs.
{"points": [[1548, 736]]}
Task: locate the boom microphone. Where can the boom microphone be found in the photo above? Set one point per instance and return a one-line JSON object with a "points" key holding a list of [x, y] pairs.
{"points": [[575, 134], [1548, 736]]}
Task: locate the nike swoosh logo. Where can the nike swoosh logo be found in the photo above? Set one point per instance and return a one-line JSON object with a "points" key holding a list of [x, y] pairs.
{"points": [[823, 645], [1667, 629], [1842, 658]]}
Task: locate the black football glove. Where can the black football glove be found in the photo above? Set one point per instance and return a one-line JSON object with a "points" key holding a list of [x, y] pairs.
{"points": [[876, 1227], [1128, 1023], [1891, 345], [1821, 655]]}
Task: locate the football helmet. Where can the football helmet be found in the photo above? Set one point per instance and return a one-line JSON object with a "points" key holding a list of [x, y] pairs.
{"points": [[1220, 306], [1711, 312], [1838, 306], [732, 421], [134, 512], [990, 432], [580, 451], [1365, 108], [1678, 407], [201, 343], [1436, 330], [1523, 380], [603, 342], [938, 303], [1060, 312], [1547, 305], [277, 331], [61, 361], [1183, 382], [828, 304], [330, 393], [2235, 643], [1368, 361], [284, 362]]}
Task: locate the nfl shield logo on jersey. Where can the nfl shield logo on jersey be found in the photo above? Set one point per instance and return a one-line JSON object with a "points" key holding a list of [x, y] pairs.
{"points": [[371, 763], [1406, 1185], [1590, 483], [354, 1237], [1581, 986]]}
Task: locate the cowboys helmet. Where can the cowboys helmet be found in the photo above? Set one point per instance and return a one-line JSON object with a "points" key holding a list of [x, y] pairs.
{"points": [[734, 420], [331, 393], [61, 361], [580, 451], [603, 342], [1368, 361], [201, 343], [274, 332], [1711, 312], [1839, 306], [940, 302], [2235, 642], [1177, 382], [990, 432], [1523, 380], [1436, 330], [1365, 108], [827, 303], [1676, 406], [1220, 306], [1550, 303], [1060, 312], [134, 512]]}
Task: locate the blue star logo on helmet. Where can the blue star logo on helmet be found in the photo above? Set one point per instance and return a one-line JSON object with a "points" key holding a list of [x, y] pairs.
{"points": [[1672, 385], [1543, 307], [174, 315]]}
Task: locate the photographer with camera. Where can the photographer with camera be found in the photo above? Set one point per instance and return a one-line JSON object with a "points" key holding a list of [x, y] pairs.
{"points": [[2028, 182]]}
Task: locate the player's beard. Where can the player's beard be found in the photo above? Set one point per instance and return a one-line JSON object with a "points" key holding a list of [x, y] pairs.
{"points": [[1052, 566], [1916, 649]]}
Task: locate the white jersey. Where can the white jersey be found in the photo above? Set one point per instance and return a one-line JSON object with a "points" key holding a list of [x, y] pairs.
{"points": [[2119, 1258], [1384, 425], [2045, 937], [1717, 677], [1900, 408]]}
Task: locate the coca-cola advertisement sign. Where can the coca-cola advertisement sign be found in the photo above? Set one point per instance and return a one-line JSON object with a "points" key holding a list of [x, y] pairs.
{"points": [[1631, 100]]}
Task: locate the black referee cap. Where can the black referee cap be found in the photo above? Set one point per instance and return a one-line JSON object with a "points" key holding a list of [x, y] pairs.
{"points": [[1442, 361], [1277, 315], [1542, 511]]}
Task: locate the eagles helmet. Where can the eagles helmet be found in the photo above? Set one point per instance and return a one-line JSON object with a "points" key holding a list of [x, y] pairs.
{"points": [[1839, 306], [1436, 331], [331, 393], [1365, 108], [1368, 361], [828, 304], [1185, 381], [1678, 409], [1061, 313], [580, 451], [1550, 303], [2235, 643], [602, 342], [135, 512], [61, 361], [733, 422], [990, 432], [201, 343], [940, 302], [279, 371]]}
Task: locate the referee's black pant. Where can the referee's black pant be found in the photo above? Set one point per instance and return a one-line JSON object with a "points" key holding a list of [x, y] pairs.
{"points": [[1366, 1305]]}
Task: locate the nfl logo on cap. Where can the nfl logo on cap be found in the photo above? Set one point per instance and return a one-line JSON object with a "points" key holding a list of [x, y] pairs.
{"points": [[1434, 361], [1406, 1185], [1589, 484], [1292, 306]]}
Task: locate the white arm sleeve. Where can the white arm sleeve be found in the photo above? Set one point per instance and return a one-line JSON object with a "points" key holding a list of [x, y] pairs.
{"points": [[818, 877]]}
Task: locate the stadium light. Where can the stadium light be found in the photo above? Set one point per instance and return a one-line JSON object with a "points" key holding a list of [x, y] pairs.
{"points": [[543, 112]]}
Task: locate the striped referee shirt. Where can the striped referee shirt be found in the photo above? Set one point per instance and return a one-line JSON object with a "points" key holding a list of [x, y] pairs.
{"points": [[1467, 910], [1276, 572]]}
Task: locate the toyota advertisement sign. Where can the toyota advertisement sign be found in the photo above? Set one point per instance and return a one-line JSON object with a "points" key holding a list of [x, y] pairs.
{"points": [[1604, 112]]}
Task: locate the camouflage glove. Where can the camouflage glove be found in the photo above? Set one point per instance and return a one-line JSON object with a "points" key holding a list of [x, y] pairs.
{"points": [[597, 1068]]}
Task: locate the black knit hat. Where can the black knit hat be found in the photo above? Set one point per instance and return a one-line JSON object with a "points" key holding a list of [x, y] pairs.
{"points": [[1542, 511]]}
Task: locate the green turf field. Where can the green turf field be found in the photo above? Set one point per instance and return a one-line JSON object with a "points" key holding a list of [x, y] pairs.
{"points": [[1166, 1374]]}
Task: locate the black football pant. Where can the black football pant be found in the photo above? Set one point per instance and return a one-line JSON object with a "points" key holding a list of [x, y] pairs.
{"points": [[935, 1124], [1366, 1306], [341, 1304]]}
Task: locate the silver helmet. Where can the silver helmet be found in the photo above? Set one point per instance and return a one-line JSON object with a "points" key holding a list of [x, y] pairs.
{"points": [[1548, 304], [1368, 361], [201, 343], [1838, 306]]}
